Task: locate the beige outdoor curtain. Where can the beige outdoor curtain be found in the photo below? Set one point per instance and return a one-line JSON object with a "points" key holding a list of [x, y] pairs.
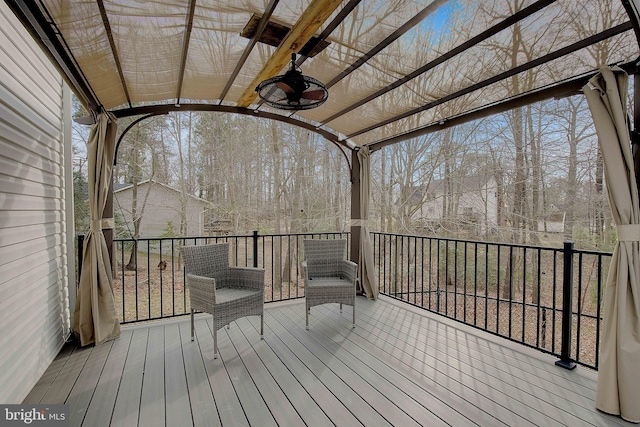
{"points": [[365, 263], [95, 319], [618, 390]]}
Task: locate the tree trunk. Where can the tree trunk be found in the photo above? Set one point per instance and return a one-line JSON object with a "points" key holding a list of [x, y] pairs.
{"points": [[572, 173], [277, 243]]}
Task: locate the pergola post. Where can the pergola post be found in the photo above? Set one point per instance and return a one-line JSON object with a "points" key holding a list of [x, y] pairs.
{"points": [[356, 209], [635, 134]]}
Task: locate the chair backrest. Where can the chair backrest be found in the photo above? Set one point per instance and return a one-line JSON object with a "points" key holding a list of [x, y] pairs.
{"points": [[206, 260], [323, 256]]}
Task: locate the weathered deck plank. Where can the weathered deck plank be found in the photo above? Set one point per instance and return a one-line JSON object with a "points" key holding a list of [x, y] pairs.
{"points": [[399, 366]]}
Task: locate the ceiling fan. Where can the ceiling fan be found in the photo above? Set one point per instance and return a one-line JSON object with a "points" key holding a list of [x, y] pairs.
{"points": [[292, 90]]}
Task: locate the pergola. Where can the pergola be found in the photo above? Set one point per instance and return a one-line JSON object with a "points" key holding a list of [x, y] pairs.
{"points": [[395, 69]]}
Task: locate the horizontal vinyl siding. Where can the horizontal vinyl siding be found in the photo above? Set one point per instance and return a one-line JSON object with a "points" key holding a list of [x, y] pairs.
{"points": [[34, 277]]}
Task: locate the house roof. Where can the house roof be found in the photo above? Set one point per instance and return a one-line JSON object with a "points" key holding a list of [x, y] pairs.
{"points": [[394, 69], [120, 187]]}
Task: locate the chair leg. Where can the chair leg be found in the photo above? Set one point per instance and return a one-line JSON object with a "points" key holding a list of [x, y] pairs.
{"points": [[354, 315], [192, 326], [307, 314], [215, 340], [340, 308], [262, 326]]}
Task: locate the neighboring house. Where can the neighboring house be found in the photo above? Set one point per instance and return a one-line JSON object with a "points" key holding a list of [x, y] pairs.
{"points": [[161, 209], [475, 200]]}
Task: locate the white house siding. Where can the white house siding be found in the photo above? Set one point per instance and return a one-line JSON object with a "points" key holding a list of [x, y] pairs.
{"points": [[34, 266], [162, 206]]}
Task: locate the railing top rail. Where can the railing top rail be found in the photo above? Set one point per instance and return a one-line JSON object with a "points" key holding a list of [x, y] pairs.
{"points": [[232, 236], [481, 242]]}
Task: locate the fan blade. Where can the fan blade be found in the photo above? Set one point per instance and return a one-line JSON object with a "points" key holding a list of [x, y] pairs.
{"points": [[285, 87], [315, 95]]}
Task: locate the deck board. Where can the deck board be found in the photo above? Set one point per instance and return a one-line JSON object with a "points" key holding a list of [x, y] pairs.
{"points": [[543, 392], [177, 404], [84, 388], [385, 398], [284, 413], [431, 396], [153, 397], [227, 403], [307, 409], [321, 396], [203, 407], [400, 366], [103, 401], [126, 410], [338, 386]]}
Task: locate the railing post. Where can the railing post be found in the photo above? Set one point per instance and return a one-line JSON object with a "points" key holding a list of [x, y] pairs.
{"points": [[567, 308], [80, 251], [255, 248]]}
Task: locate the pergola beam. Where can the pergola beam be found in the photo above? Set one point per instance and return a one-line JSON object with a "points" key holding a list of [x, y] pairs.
{"points": [[185, 48], [511, 20], [149, 111], [341, 16], [262, 24], [168, 108], [311, 19], [43, 32], [114, 51], [561, 90], [432, 7], [502, 76]]}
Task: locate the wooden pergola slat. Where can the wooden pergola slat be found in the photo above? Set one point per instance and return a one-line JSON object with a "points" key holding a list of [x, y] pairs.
{"points": [[312, 18]]}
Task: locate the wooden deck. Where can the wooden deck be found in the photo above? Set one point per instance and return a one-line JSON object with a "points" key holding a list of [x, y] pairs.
{"points": [[399, 366]]}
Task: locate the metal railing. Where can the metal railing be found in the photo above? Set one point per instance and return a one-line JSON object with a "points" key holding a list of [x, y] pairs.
{"points": [[149, 273], [518, 292]]}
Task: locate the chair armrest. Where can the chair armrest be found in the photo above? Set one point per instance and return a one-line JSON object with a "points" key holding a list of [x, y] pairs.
{"points": [[248, 277], [350, 270], [202, 290]]}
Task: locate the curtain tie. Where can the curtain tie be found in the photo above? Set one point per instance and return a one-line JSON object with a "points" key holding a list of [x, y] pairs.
{"points": [[102, 224], [628, 232], [359, 222]]}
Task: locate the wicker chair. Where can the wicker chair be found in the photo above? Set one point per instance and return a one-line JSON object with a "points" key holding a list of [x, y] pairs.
{"points": [[328, 276], [227, 293]]}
